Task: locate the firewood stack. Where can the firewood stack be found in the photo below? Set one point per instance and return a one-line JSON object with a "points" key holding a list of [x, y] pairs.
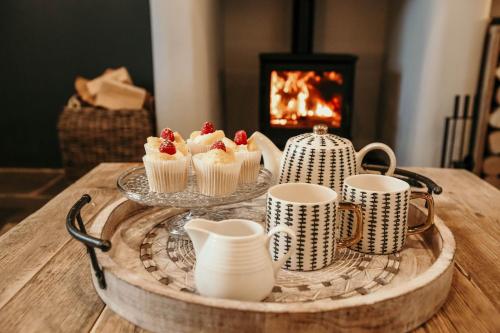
{"points": [[491, 163], [487, 138], [107, 121]]}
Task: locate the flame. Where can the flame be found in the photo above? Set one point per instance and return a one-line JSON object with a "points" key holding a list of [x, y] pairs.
{"points": [[303, 98]]}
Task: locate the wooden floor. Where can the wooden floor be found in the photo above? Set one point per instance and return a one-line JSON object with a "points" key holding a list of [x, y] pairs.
{"points": [[23, 191]]}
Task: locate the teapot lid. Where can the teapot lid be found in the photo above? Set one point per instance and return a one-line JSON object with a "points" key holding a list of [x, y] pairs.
{"points": [[320, 138]]}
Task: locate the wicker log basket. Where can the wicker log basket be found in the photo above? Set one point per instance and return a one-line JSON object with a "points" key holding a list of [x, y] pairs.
{"points": [[90, 135]]}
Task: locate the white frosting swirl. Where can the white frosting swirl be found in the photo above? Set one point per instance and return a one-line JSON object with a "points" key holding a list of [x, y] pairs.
{"points": [[206, 139], [153, 144], [217, 156], [250, 146], [229, 143]]}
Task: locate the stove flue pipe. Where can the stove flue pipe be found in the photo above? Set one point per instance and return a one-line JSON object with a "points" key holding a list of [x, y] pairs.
{"points": [[302, 26]]}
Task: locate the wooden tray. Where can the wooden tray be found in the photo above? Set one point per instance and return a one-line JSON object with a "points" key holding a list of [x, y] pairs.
{"points": [[150, 282]]}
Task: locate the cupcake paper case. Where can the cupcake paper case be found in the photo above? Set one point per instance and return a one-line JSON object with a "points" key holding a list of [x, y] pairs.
{"points": [[250, 165], [166, 176]]}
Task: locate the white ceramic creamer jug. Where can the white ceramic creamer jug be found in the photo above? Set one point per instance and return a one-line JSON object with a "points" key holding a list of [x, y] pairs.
{"points": [[233, 259]]}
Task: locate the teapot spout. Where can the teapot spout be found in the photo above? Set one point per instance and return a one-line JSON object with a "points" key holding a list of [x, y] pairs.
{"points": [[198, 230], [271, 153]]}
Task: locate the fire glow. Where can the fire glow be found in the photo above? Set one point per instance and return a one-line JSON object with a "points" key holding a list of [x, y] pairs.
{"points": [[305, 98]]}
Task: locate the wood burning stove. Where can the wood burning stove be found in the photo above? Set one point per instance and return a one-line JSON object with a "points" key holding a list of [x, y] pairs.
{"points": [[301, 89], [298, 91]]}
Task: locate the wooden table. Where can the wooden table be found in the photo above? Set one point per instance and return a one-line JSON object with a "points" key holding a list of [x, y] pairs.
{"points": [[45, 281]]}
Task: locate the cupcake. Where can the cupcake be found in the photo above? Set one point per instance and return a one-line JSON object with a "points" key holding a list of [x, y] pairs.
{"points": [[200, 141], [153, 143], [249, 154], [166, 168], [217, 170]]}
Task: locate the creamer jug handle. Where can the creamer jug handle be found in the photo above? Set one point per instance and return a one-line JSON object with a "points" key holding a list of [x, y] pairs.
{"points": [[293, 244]]}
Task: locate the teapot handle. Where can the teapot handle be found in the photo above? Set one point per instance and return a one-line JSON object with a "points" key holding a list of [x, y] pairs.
{"points": [[281, 228], [360, 155]]}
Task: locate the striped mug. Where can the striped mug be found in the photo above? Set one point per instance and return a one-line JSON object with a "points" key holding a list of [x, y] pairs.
{"points": [[385, 203], [310, 210]]}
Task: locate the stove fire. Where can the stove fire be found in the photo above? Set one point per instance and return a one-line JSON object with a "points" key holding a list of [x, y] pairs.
{"points": [[301, 99]]}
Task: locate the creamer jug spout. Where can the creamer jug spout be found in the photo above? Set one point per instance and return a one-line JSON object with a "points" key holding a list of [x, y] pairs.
{"points": [[199, 230]]}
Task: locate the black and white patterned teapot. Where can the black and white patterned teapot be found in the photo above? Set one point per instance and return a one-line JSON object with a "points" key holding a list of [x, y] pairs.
{"points": [[318, 158]]}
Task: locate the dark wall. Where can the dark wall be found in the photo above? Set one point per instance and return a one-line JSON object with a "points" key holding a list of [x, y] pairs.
{"points": [[43, 46]]}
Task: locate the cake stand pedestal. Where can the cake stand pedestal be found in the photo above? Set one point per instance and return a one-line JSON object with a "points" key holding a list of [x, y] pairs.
{"points": [[133, 183]]}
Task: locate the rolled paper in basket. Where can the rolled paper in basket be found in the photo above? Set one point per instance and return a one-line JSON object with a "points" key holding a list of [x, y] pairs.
{"points": [[216, 179], [166, 176]]}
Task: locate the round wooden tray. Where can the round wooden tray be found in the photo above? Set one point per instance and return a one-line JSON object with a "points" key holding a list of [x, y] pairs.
{"points": [[150, 281]]}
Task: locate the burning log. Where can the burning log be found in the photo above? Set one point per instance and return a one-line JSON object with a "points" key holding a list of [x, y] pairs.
{"points": [[303, 98]]}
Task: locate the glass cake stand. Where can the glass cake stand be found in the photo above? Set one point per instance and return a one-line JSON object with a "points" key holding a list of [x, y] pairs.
{"points": [[133, 183]]}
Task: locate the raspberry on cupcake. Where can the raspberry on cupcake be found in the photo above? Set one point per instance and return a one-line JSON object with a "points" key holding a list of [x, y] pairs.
{"points": [[166, 168], [217, 170], [200, 141], [167, 134], [153, 143], [248, 153], [168, 147]]}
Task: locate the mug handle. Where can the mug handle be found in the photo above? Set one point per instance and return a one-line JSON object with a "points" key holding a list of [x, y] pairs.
{"points": [[429, 200], [281, 228], [359, 224], [360, 155]]}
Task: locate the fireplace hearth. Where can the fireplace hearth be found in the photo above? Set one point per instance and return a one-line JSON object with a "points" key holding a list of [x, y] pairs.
{"points": [[301, 89]]}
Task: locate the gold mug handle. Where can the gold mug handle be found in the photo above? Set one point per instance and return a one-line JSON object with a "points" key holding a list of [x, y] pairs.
{"points": [[429, 200], [358, 217]]}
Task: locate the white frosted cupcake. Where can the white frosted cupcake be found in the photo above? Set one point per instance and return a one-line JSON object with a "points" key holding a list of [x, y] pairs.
{"points": [[217, 170], [167, 168], [249, 154], [153, 143], [200, 141]]}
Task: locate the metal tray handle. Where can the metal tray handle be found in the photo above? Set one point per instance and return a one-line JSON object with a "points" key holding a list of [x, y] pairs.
{"points": [[412, 178], [80, 234]]}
